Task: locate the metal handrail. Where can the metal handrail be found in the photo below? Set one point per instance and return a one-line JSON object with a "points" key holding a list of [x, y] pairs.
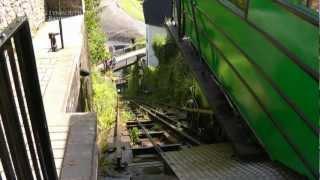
{"points": [[21, 109]]}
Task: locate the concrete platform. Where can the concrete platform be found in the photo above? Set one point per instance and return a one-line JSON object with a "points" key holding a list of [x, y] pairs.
{"points": [[56, 71], [60, 85], [216, 161], [81, 154]]}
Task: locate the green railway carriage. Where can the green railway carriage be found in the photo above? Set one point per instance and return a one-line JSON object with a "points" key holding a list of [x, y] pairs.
{"points": [[265, 54]]}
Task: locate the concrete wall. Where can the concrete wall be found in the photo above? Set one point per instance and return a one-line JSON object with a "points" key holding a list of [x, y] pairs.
{"points": [[10, 9], [65, 4], [75, 97], [86, 82]]}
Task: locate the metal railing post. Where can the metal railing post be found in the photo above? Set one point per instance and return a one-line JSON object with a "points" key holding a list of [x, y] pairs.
{"points": [[60, 26], [21, 108]]}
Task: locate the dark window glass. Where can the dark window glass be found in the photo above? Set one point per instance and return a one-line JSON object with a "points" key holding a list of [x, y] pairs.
{"points": [[242, 4], [311, 4], [314, 5], [308, 9]]}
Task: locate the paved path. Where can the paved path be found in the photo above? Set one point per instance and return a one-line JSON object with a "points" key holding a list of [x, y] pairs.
{"points": [[55, 70], [117, 24]]}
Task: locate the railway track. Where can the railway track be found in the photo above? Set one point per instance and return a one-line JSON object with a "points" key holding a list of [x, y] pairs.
{"points": [[166, 150], [134, 160], [170, 126], [171, 123]]}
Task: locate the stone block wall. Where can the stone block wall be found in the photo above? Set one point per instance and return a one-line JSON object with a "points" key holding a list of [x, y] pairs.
{"points": [[10, 9], [65, 4]]}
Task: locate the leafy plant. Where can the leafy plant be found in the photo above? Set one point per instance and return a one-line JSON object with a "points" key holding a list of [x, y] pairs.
{"points": [[104, 163], [134, 135], [126, 115], [140, 42], [133, 79], [156, 127], [171, 82], [96, 37], [104, 99]]}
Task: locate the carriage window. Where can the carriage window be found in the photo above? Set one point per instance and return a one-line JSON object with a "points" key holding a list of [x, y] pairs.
{"points": [[307, 9], [238, 6], [311, 4], [242, 4], [314, 5]]}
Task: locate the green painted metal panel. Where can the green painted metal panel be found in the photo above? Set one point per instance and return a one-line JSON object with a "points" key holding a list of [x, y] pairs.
{"points": [[252, 59], [299, 36]]}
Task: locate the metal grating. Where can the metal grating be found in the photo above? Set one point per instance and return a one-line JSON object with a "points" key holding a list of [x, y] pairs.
{"points": [[216, 161]]}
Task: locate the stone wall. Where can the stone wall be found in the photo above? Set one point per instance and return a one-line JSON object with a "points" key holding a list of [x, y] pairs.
{"points": [[10, 9], [65, 4], [74, 103]]}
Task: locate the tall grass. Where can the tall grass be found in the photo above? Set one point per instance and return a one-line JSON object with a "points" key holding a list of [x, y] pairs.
{"points": [[104, 90], [104, 99], [96, 37]]}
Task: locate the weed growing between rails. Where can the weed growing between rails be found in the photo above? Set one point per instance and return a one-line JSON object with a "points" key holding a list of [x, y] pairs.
{"points": [[134, 135]]}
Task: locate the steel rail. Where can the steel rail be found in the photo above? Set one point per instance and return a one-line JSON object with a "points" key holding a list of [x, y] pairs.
{"points": [[155, 146], [172, 127], [162, 115], [117, 135], [195, 110], [146, 132]]}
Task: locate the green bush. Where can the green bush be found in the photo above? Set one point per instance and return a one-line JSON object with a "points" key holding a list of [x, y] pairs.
{"points": [[126, 115], [104, 100], [134, 135], [96, 37], [156, 127], [140, 42], [171, 82], [133, 79]]}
